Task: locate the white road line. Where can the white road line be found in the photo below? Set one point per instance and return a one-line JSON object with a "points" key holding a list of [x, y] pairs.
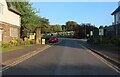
{"points": [[23, 58], [102, 59]]}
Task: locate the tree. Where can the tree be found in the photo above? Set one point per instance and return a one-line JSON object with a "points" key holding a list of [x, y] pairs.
{"points": [[29, 19], [38, 33], [101, 27], [71, 25], [45, 25], [56, 28], [30, 22]]}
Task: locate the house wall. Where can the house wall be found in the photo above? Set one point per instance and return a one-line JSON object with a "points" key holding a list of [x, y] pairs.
{"points": [[9, 23], [117, 18], [7, 34], [9, 16]]}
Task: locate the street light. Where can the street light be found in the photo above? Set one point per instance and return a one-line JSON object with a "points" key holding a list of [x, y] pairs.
{"points": [[85, 29]]}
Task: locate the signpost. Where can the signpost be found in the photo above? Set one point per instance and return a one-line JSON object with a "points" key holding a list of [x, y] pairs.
{"points": [[43, 41], [32, 36], [101, 33], [91, 33], [87, 35]]}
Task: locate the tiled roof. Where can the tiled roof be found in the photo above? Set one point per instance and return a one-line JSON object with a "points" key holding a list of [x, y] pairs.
{"points": [[117, 10]]}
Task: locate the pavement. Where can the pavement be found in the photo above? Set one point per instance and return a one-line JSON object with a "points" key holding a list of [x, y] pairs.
{"points": [[109, 52], [13, 55], [68, 57]]}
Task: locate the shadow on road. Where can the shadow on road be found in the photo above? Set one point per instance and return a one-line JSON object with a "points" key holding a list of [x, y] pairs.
{"points": [[52, 69], [69, 43], [76, 43]]}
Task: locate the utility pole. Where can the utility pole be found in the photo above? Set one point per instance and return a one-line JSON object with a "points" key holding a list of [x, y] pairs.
{"points": [[85, 30]]}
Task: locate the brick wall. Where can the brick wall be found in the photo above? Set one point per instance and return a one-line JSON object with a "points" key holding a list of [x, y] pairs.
{"points": [[6, 31]]}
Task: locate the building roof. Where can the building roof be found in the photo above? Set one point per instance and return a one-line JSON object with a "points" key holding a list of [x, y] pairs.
{"points": [[117, 10], [12, 8]]}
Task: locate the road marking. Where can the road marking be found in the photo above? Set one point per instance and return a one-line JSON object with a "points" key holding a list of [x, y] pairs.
{"points": [[23, 58], [102, 59]]}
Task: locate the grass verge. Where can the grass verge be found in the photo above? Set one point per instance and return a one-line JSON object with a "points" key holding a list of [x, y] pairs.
{"points": [[9, 49]]}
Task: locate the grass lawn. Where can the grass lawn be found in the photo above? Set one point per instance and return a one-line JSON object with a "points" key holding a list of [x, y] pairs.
{"points": [[8, 49]]}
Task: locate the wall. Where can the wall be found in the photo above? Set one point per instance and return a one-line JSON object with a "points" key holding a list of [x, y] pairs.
{"points": [[8, 16], [117, 18], [6, 37], [9, 20]]}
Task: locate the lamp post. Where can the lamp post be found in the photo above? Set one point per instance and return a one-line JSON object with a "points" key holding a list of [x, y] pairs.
{"points": [[101, 33], [85, 30]]}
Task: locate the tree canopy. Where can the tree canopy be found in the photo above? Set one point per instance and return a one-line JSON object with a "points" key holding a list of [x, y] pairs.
{"points": [[29, 19], [71, 25]]}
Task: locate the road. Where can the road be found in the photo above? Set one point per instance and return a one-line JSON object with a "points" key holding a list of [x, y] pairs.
{"points": [[65, 58]]}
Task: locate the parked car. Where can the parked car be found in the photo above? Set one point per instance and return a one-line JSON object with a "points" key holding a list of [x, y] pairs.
{"points": [[53, 39]]}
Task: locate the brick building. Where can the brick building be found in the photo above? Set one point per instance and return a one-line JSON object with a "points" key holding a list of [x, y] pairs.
{"points": [[9, 21]]}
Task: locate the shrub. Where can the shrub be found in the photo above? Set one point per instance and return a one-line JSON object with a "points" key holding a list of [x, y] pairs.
{"points": [[5, 45], [32, 41], [14, 42], [116, 41], [46, 37]]}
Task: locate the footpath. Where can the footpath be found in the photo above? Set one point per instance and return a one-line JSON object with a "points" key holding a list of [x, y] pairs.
{"points": [[10, 56], [112, 54]]}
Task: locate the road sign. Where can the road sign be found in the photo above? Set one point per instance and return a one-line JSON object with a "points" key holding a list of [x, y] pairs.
{"points": [[43, 41], [101, 32], [31, 36], [91, 33], [87, 35]]}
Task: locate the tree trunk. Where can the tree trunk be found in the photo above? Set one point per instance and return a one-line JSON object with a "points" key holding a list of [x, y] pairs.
{"points": [[38, 36]]}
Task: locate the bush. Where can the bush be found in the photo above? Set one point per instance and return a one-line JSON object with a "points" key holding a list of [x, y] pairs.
{"points": [[32, 41], [46, 37], [17, 42], [5, 45], [12, 42], [116, 41], [119, 42], [105, 40]]}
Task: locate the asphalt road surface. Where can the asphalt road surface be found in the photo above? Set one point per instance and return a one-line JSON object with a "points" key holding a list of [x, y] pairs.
{"points": [[65, 58]]}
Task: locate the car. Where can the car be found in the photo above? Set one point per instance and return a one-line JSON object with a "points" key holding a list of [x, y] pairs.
{"points": [[53, 39]]}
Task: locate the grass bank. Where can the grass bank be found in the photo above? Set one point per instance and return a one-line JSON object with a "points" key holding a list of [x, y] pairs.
{"points": [[8, 49]]}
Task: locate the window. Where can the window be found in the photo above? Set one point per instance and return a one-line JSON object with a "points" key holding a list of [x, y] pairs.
{"points": [[13, 32], [1, 8]]}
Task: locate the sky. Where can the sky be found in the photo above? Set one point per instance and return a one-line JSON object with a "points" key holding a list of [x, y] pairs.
{"points": [[96, 13]]}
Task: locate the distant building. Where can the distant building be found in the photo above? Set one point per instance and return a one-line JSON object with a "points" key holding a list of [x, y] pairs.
{"points": [[9, 21], [116, 23], [116, 15]]}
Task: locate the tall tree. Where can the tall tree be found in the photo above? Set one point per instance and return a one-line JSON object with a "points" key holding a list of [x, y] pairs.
{"points": [[45, 25], [29, 19], [30, 22], [71, 25], [56, 28]]}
